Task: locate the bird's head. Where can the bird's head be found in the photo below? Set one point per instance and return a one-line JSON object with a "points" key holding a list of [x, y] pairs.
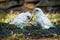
{"points": [[37, 10], [28, 15]]}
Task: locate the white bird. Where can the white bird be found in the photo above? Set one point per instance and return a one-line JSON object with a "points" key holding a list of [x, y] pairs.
{"points": [[44, 23], [42, 19], [22, 19]]}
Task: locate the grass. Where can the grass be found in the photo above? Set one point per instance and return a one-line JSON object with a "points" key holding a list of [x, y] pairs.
{"points": [[5, 18]]}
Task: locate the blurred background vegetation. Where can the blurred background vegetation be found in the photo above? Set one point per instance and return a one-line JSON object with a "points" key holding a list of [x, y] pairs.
{"points": [[9, 9]]}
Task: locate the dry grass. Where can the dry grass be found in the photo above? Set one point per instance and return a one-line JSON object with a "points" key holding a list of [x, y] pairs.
{"points": [[7, 17], [15, 37], [10, 16]]}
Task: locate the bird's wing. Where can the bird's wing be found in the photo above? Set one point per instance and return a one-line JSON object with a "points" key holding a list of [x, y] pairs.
{"points": [[20, 15], [46, 21]]}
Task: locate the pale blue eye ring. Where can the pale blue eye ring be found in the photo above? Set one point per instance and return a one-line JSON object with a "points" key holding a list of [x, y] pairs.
{"points": [[37, 10]]}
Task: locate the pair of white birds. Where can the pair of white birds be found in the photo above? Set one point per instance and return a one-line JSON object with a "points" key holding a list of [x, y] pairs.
{"points": [[41, 19]]}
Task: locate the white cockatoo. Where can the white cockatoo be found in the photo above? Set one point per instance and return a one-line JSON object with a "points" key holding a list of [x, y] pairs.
{"points": [[43, 22], [22, 19], [42, 19]]}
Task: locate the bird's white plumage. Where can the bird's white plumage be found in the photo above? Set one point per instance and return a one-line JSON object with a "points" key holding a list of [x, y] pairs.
{"points": [[22, 19], [42, 19]]}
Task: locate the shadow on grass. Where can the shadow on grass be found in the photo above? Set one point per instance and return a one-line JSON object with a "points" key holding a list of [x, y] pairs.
{"points": [[37, 32], [6, 30]]}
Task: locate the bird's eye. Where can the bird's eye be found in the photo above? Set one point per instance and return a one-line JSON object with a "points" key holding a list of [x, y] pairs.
{"points": [[28, 17], [36, 10]]}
